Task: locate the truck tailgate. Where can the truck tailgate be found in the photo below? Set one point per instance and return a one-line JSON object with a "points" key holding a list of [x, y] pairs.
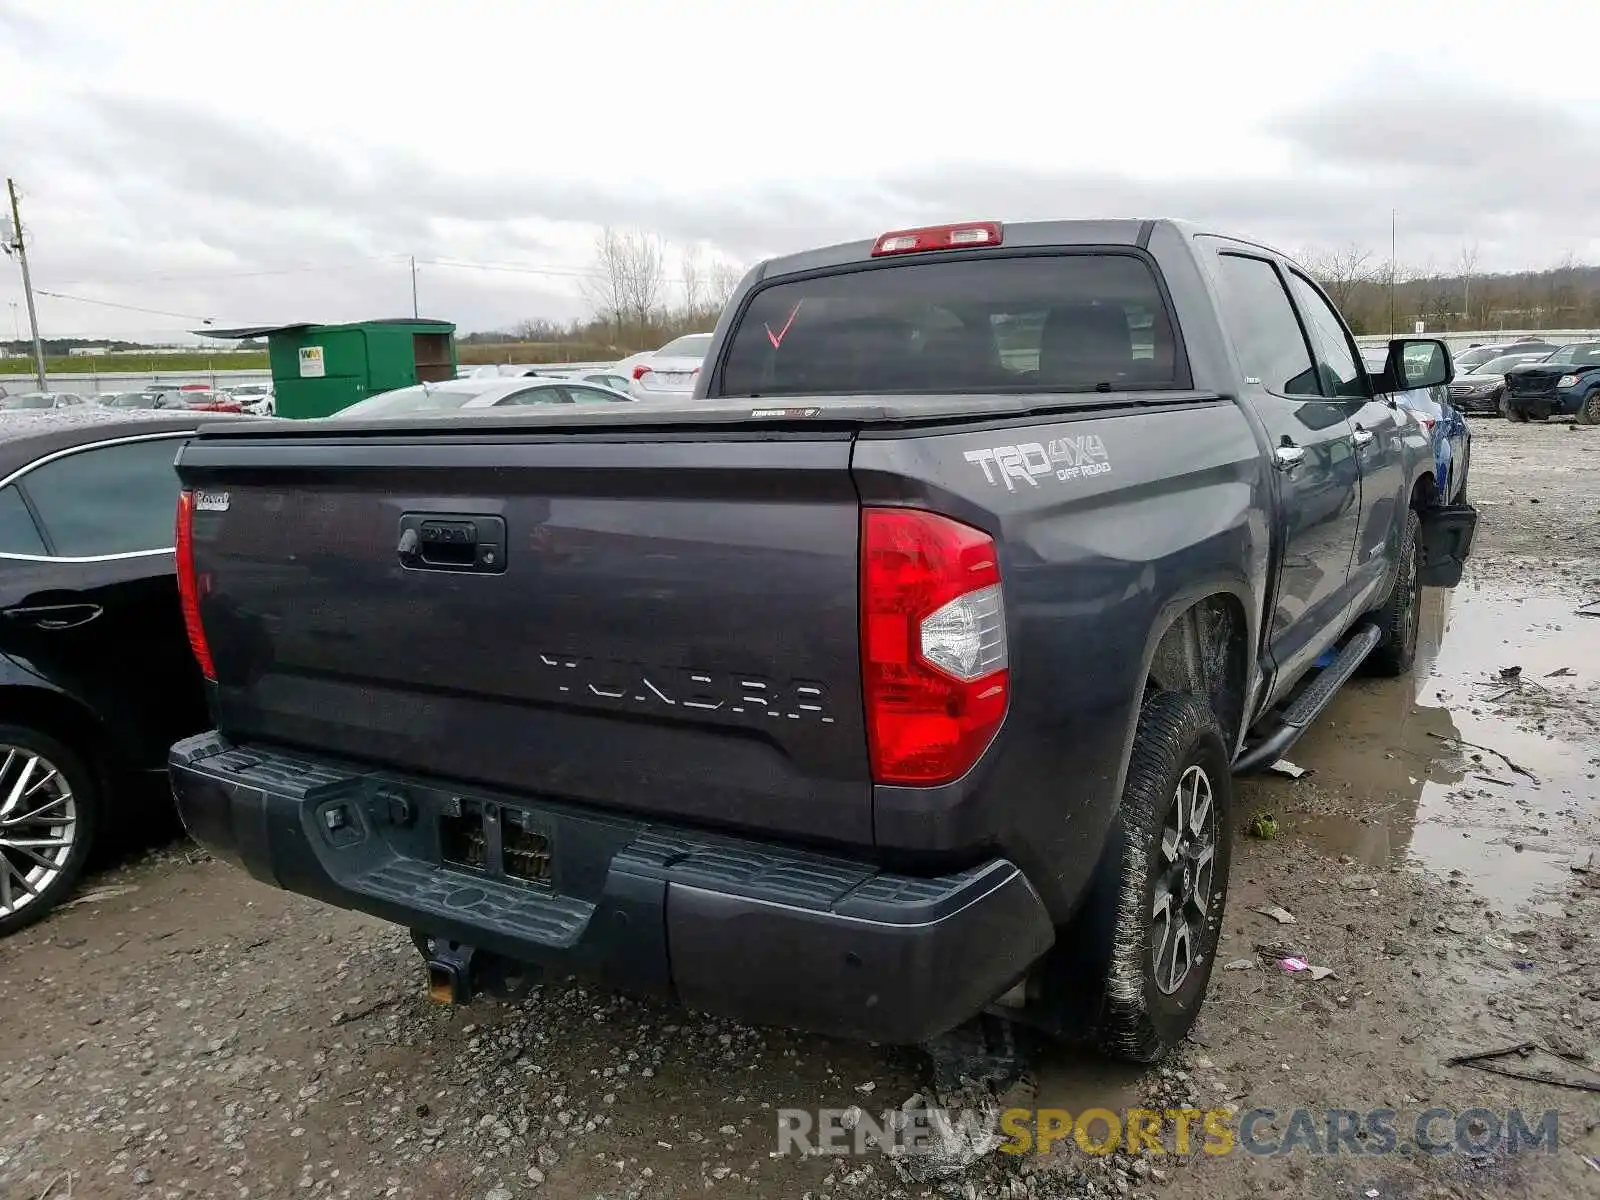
{"points": [[664, 626]]}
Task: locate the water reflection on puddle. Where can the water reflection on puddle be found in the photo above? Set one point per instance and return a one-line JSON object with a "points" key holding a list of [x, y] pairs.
{"points": [[1387, 754]]}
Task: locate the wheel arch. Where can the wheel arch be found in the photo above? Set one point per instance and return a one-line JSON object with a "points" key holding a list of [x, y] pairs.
{"points": [[53, 712], [1201, 643], [1424, 491]]}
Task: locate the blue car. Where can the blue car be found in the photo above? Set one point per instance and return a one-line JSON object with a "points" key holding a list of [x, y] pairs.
{"points": [[1565, 384], [1447, 429]]}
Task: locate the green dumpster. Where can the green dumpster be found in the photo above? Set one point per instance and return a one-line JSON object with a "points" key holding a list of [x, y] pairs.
{"points": [[319, 369]]}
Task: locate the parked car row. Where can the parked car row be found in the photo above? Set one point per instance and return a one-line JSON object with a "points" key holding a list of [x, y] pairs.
{"points": [[191, 397], [1529, 379]]}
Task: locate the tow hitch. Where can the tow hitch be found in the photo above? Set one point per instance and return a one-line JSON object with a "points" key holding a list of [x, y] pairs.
{"points": [[457, 973]]}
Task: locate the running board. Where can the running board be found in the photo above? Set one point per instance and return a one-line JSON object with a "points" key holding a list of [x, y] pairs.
{"points": [[1308, 705]]}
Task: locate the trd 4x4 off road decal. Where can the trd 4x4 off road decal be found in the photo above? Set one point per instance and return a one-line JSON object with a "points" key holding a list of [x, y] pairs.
{"points": [[1077, 457]]}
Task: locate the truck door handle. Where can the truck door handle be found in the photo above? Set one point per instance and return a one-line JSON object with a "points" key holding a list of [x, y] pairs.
{"points": [[1362, 437], [1288, 456], [54, 616]]}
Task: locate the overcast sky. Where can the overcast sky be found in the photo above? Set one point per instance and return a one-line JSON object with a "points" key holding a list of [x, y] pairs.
{"points": [[257, 162]]}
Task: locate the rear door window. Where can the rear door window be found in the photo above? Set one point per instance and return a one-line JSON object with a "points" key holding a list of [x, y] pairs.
{"points": [[1078, 322], [1342, 373], [18, 534], [1265, 331], [119, 499]]}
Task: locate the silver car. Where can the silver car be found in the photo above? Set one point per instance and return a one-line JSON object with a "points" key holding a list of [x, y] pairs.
{"points": [[462, 395], [41, 400], [671, 371]]}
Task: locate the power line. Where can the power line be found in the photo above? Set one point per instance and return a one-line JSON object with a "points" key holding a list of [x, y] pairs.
{"points": [[304, 268], [158, 312], [530, 269]]}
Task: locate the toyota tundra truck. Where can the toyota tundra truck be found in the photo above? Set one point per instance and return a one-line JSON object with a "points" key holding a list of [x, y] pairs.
{"points": [[894, 677]]}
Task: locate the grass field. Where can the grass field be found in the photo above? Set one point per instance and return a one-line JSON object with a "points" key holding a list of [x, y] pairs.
{"points": [[119, 364]]}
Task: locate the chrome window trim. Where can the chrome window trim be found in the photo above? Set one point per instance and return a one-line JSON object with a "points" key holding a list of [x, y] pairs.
{"points": [[67, 452]]}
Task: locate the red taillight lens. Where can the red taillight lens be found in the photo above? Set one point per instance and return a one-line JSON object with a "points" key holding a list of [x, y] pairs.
{"points": [[934, 665], [192, 585], [641, 371], [939, 237]]}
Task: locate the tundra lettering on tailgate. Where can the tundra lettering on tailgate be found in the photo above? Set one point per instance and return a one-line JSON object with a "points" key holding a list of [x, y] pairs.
{"points": [[634, 686]]}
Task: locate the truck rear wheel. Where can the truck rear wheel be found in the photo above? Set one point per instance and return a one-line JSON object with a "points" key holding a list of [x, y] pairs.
{"points": [[1175, 829]]}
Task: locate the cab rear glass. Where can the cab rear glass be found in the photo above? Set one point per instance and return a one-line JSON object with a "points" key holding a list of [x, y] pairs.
{"points": [[1067, 322]]}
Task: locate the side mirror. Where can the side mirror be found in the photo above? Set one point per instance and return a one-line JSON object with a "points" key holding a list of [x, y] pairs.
{"points": [[1415, 363]]}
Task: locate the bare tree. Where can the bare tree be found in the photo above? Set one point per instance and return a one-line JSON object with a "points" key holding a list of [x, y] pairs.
{"points": [[606, 285], [1467, 261], [721, 281], [1433, 296], [1342, 273], [643, 275], [627, 281], [694, 283], [1561, 291]]}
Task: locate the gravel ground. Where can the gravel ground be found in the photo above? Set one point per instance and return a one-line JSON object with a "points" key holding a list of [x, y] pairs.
{"points": [[187, 1032]]}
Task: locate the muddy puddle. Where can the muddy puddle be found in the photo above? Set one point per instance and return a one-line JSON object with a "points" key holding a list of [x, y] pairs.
{"points": [[1482, 762]]}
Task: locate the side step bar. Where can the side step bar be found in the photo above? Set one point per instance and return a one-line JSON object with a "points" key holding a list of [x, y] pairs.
{"points": [[1308, 705]]}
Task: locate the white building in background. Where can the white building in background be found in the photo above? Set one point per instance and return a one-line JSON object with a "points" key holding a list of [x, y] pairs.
{"points": [[87, 351]]}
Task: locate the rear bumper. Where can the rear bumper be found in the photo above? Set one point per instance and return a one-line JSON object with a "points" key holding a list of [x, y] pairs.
{"points": [[757, 932], [1537, 404]]}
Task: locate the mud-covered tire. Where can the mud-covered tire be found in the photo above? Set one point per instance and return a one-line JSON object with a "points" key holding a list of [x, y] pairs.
{"points": [[1401, 614], [1515, 414], [84, 801], [1589, 409], [1139, 1019]]}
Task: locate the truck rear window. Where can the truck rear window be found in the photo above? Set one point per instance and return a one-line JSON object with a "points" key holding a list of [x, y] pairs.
{"points": [[1079, 322]]}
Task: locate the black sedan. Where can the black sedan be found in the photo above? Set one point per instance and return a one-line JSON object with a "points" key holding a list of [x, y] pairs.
{"points": [[96, 676]]}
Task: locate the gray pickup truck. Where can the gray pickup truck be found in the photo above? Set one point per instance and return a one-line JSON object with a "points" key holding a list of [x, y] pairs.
{"points": [[895, 677]]}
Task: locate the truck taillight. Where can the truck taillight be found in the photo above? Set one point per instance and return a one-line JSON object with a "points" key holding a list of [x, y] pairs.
{"points": [[934, 666], [191, 585]]}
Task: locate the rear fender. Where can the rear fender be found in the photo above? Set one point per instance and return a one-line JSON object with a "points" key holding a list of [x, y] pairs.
{"points": [[1185, 664], [29, 699]]}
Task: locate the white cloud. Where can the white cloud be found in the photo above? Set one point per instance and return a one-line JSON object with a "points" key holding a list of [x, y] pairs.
{"points": [[254, 161]]}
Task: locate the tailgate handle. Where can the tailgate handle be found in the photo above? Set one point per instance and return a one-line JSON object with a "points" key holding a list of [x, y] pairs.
{"points": [[469, 542]]}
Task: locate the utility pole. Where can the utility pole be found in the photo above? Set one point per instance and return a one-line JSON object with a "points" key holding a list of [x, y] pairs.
{"points": [[413, 285], [1394, 266], [15, 245]]}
